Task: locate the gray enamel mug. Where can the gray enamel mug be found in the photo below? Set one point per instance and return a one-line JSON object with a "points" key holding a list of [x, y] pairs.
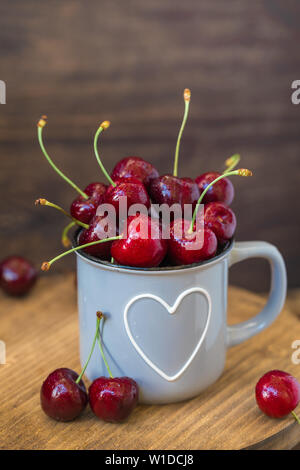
{"points": [[167, 327]]}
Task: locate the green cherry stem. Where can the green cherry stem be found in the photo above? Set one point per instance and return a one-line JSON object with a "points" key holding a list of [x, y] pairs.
{"points": [[296, 417], [187, 98], [91, 351], [100, 314], [47, 264], [44, 202], [64, 236], [239, 172], [41, 124], [104, 125], [231, 163]]}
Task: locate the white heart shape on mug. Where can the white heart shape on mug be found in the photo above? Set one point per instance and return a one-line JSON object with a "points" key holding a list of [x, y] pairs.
{"points": [[171, 310]]}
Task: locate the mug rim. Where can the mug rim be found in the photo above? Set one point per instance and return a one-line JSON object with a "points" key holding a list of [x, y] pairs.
{"points": [[155, 270]]}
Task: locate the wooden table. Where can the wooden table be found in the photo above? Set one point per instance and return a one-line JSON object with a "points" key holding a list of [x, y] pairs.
{"points": [[41, 334]]}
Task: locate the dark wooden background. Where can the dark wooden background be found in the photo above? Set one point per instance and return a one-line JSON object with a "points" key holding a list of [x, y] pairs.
{"points": [[81, 62]]}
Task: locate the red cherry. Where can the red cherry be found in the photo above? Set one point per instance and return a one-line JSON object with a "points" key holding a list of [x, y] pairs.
{"points": [[277, 393], [131, 188], [183, 248], [61, 397], [84, 209], [169, 189], [99, 229], [17, 275], [96, 190], [113, 399], [140, 248], [221, 220], [222, 190], [135, 167]]}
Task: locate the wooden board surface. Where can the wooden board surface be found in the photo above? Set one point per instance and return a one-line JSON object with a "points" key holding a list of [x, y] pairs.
{"points": [[41, 334]]}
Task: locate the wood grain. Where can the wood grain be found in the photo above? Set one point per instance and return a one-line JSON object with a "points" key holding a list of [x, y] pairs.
{"points": [[129, 62], [41, 334]]}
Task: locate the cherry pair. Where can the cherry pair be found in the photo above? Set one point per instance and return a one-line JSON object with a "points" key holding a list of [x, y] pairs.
{"points": [[64, 396]]}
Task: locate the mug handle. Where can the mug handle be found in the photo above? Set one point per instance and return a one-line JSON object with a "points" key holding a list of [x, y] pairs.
{"points": [[243, 250]]}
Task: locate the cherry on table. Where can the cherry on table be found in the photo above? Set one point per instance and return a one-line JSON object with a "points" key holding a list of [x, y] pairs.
{"points": [[61, 397], [142, 244], [277, 394], [113, 398], [17, 275], [222, 191], [135, 167]]}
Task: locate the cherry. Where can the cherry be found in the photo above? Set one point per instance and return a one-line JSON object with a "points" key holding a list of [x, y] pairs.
{"points": [[62, 397], [277, 394], [170, 189], [183, 248], [63, 393], [142, 245], [131, 188], [112, 398], [221, 220], [17, 275], [135, 167], [99, 229], [222, 191], [84, 209]]}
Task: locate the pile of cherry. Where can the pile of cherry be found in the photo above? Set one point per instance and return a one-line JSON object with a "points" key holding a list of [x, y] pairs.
{"points": [[140, 183]]}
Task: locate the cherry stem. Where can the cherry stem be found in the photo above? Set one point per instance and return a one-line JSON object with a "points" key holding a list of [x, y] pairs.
{"points": [[239, 172], [100, 314], [296, 416], [44, 202], [231, 163], [91, 351], [112, 260], [47, 264], [64, 236], [41, 125], [187, 98], [102, 127]]}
